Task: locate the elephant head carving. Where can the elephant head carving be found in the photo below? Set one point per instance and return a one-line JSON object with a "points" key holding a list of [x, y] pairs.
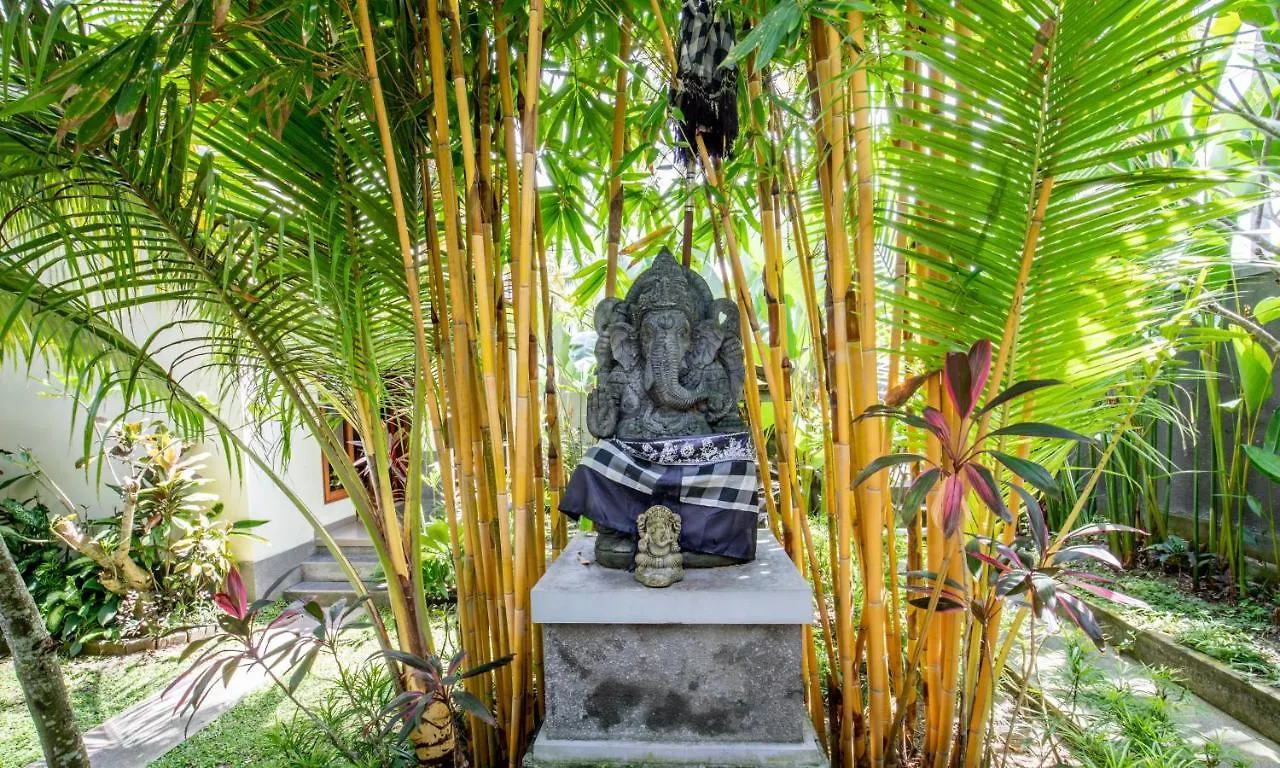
{"points": [[669, 358]]}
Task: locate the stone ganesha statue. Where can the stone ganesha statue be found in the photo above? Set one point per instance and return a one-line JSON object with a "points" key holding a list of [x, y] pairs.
{"points": [[669, 382], [669, 359]]}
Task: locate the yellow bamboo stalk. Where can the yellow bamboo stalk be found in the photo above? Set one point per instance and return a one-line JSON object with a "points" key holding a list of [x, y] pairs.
{"points": [[872, 514], [392, 522], [555, 464], [950, 627], [773, 374], [984, 674], [461, 301], [537, 564], [472, 588], [524, 307], [506, 96], [616, 150], [667, 48], [478, 503], [981, 673], [771, 240], [831, 102], [934, 553], [813, 313], [896, 340], [790, 498]]}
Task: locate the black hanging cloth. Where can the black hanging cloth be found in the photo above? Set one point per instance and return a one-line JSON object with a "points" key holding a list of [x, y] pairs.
{"points": [[704, 99]]}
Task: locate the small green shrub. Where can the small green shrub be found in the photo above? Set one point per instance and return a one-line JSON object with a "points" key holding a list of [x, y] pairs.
{"points": [[1132, 730], [437, 563], [352, 708], [65, 586], [365, 721]]}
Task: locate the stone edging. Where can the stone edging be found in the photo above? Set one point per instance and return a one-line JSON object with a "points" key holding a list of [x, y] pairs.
{"points": [[1254, 704], [172, 639]]}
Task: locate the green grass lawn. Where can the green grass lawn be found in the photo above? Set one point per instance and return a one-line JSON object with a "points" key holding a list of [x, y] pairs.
{"points": [[245, 735], [100, 686]]}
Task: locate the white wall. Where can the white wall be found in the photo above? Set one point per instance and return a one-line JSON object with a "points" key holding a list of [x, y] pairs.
{"points": [[36, 413], [287, 527]]}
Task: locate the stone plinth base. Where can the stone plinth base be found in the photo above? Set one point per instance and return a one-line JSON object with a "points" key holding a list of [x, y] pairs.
{"points": [[704, 672], [559, 753]]}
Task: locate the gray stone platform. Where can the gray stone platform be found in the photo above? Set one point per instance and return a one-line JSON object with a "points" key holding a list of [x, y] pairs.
{"points": [[704, 672]]}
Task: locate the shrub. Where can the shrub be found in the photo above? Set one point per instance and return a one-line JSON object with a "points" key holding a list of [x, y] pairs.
{"points": [[151, 565]]}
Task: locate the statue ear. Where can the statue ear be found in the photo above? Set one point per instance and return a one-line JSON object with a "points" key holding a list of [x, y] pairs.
{"points": [[623, 344], [604, 314], [641, 522], [729, 309], [679, 521], [705, 343]]}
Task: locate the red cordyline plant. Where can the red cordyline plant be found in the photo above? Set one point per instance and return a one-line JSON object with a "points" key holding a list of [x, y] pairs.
{"points": [[287, 646], [1031, 569]]}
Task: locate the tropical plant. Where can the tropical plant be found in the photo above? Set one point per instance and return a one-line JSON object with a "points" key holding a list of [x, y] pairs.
{"points": [[437, 562], [144, 569], [293, 639], [1265, 458], [1174, 553], [438, 583], [351, 707], [76, 607], [1029, 571], [287, 646], [179, 533]]}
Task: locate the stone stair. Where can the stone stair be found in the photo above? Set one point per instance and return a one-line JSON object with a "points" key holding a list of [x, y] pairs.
{"points": [[324, 580]]}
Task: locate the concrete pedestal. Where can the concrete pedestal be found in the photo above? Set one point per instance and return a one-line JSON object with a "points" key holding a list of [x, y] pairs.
{"points": [[704, 672]]}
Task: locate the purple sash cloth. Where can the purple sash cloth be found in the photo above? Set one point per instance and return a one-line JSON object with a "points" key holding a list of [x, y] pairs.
{"points": [[710, 481]]}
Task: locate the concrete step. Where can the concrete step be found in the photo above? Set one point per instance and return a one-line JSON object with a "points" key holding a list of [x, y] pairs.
{"points": [[329, 592], [322, 567], [351, 536]]}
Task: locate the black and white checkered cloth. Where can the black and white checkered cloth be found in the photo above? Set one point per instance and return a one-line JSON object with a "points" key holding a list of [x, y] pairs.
{"points": [[706, 36], [704, 96], [718, 479]]}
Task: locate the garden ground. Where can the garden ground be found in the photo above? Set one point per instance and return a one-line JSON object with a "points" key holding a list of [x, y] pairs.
{"points": [[100, 686]]}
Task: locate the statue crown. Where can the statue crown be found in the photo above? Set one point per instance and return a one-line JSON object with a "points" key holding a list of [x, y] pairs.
{"points": [[667, 285]]}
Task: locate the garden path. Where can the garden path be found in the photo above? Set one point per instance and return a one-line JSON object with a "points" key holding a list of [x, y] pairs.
{"points": [[150, 728]]}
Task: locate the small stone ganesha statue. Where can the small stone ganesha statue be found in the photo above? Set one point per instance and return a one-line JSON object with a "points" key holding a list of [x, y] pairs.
{"points": [[658, 561]]}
